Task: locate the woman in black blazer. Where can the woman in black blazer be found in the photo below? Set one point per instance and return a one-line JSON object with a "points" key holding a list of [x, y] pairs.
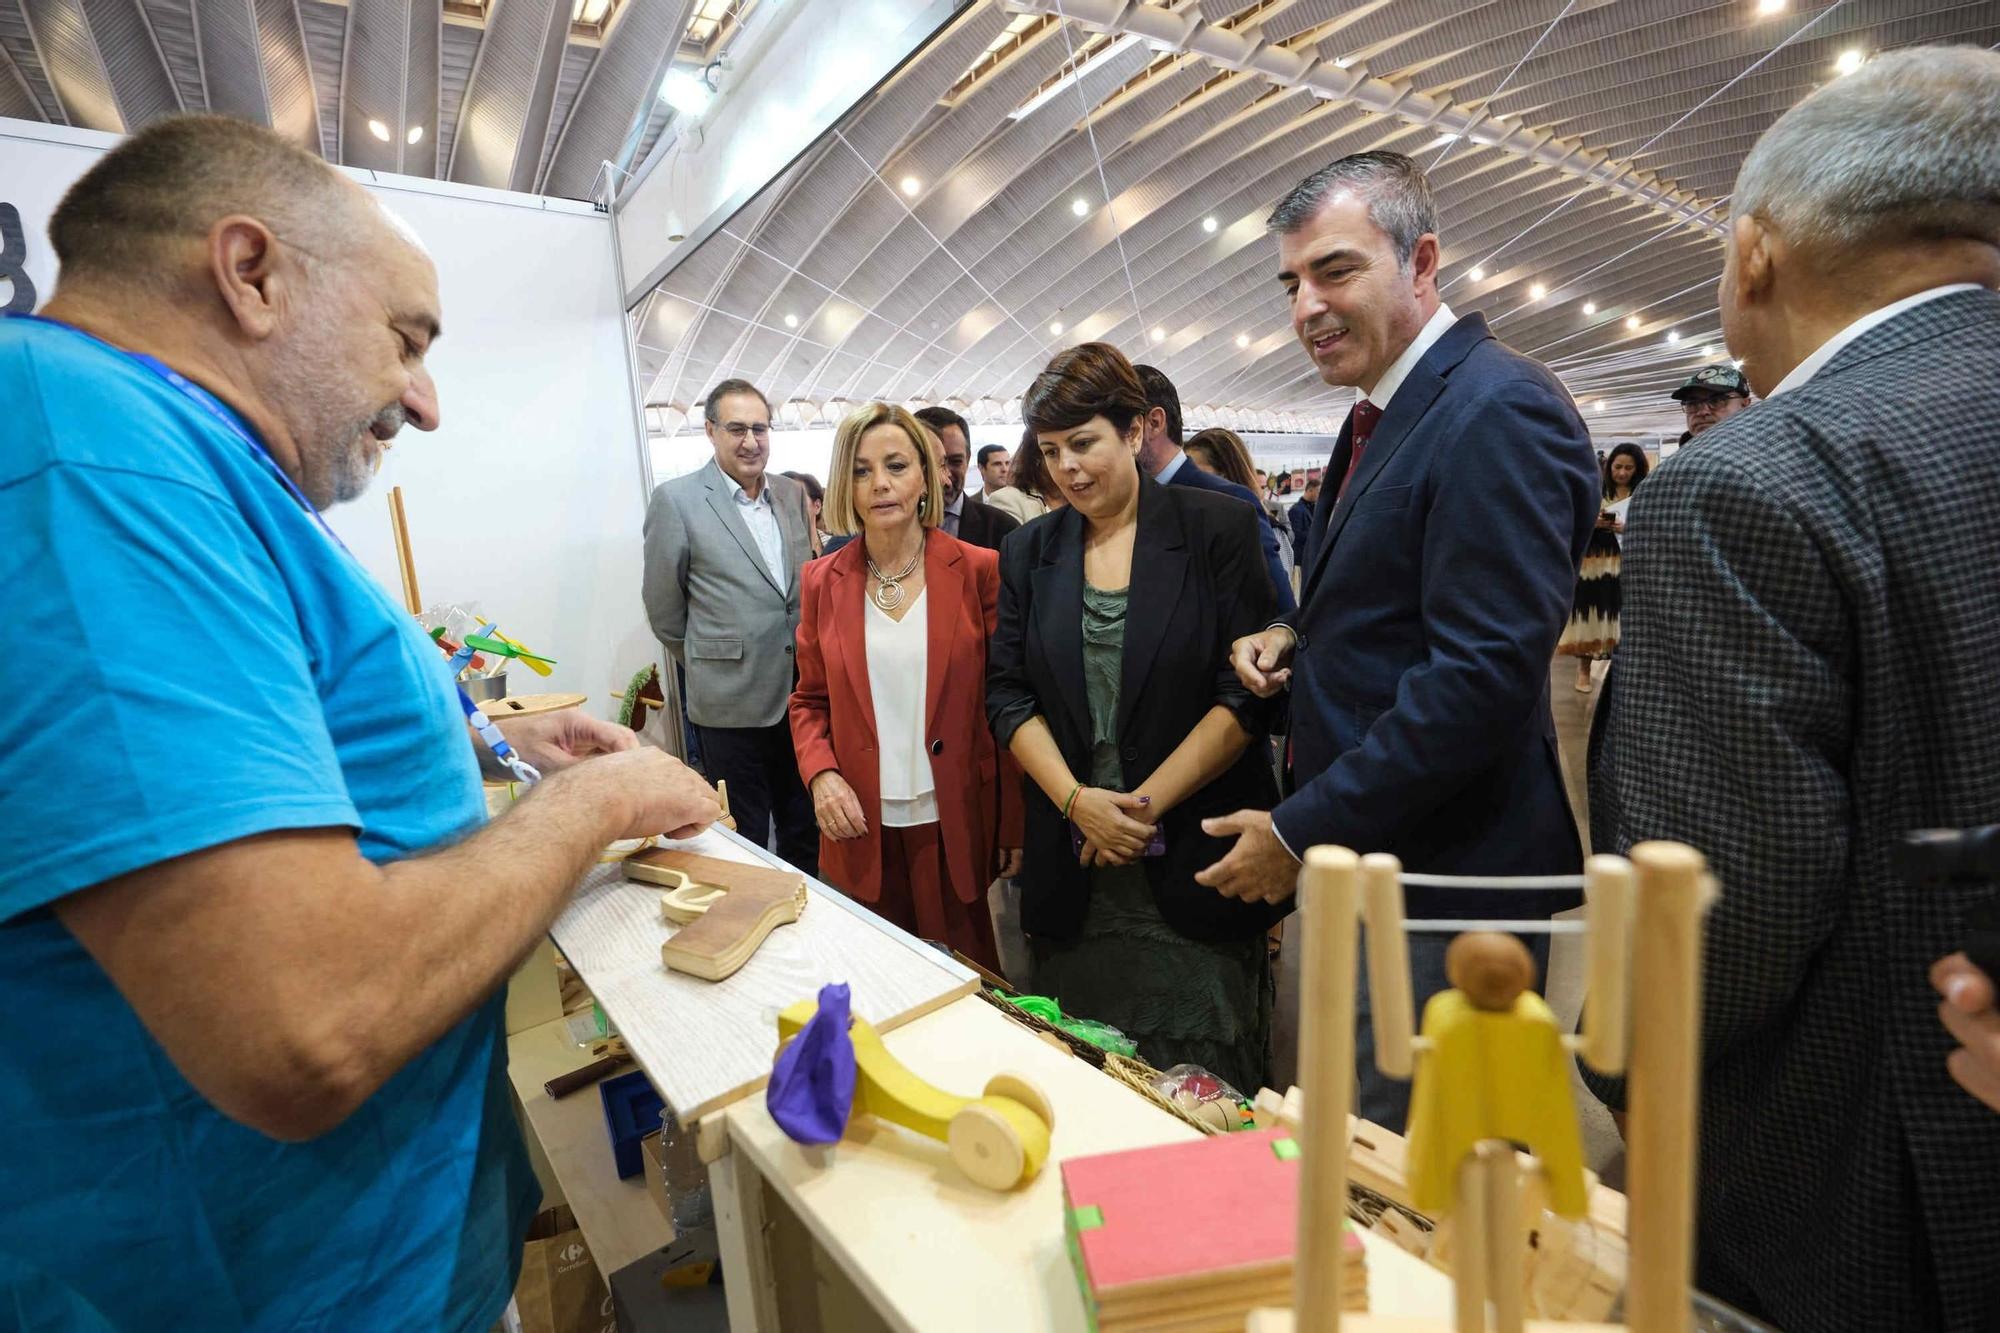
{"points": [[1109, 679]]}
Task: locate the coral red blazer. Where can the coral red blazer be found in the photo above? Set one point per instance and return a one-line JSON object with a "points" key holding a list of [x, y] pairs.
{"points": [[833, 712]]}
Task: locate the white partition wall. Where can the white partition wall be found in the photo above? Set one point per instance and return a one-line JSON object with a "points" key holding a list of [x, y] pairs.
{"points": [[529, 499]]}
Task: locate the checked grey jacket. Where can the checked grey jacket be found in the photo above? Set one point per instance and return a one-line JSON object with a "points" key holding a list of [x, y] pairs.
{"points": [[1809, 667]]}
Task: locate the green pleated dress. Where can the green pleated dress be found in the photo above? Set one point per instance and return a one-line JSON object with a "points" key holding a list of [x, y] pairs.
{"points": [[1183, 1001]]}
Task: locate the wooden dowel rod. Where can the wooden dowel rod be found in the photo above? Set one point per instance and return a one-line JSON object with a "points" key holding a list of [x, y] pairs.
{"points": [[1662, 1085], [1506, 1238], [1391, 1008], [1329, 894], [1469, 1258], [406, 563], [1608, 951]]}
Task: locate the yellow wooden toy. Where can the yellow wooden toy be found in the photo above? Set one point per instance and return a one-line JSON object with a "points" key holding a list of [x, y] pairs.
{"points": [[999, 1139]]}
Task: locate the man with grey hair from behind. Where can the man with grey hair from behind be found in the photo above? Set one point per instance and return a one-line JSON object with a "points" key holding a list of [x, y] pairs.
{"points": [[1810, 626], [254, 923], [1458, 502]]}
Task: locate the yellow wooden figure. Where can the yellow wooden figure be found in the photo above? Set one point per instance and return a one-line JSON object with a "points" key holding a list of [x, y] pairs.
{"points": [[1491, 1066]]}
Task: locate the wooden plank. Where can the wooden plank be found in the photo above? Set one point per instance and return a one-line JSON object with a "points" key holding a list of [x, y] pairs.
{"points": [[618, 1218], [741, 1233], [929, 1249], [707, 1043]]}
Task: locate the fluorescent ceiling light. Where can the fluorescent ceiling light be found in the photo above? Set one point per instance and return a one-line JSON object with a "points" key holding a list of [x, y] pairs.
{"points": [[1209, 224], [912, 186], [1042, 98], [379, 130], [685, 92], [416, 135]]}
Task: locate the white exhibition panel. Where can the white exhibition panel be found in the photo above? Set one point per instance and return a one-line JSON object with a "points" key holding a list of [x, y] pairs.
{"points": [[528, 501]]}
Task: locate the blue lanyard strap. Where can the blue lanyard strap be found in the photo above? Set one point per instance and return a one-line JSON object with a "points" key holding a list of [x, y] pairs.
{"points": [[522, 770]]}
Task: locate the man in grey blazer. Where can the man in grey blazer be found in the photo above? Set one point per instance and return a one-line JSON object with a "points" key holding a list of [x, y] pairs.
{"points": [[723, 550], [1811, 626]]}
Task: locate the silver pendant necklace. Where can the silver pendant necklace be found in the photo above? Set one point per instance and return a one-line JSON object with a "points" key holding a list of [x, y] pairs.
{"points": [[888, 592]]}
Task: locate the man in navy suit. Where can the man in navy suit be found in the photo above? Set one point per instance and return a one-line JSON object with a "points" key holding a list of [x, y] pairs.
{"points": [[1445, 545], [1161, 456]]}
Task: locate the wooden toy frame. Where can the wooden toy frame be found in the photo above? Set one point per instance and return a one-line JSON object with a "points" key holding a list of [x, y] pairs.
{"points": [[1656, 903]]}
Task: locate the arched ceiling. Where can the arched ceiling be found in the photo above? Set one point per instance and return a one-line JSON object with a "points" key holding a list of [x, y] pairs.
{"points": [[528, 95], [1044, 173]]}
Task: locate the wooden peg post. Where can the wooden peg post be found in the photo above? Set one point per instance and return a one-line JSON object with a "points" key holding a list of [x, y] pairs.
{"points": [[1328, 902], [406, 563], [1393, 1011], [1666, 970], [1608, 890]]}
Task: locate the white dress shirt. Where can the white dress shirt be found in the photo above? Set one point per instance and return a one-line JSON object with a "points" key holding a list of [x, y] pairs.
{"points": [[1827, 350], [761, 517], [898, 667], [1399, 370], [1166, 474]]}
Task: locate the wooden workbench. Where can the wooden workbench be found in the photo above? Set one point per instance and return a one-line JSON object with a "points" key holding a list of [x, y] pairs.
{"points": [[880, 1230]]}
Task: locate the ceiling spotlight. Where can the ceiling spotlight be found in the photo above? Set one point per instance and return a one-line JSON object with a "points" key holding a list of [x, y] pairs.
{"points": [[1441, 141], [1770, 6], [1632, 321], [1673, 335], [1242, 340], [1537, 292], [1707, 350], [1477, 274], [1597, 406], [1159, 335], [685, 92], [379, 130], [1209, 224], [1055, 329], [1590, 307], [912, 186], [791, 321], [1342, 62], [1850, 60], [415, 136], [1079, 206]]}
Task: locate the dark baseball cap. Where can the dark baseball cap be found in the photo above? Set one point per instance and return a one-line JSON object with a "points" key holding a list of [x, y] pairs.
{"points": [[1724, 379]]}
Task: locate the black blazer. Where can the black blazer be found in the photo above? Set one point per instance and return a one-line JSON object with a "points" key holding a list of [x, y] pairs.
{"points": [[1197, 584]]}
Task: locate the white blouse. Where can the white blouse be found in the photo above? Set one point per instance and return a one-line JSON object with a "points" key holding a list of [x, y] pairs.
{"points": [[898, 677]]}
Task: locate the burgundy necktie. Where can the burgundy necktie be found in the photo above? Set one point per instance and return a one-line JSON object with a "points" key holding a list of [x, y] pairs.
{"points": [[1364, 417]]}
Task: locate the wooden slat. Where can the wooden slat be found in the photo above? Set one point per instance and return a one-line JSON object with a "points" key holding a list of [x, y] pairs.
{"points": [[707, 1043]]}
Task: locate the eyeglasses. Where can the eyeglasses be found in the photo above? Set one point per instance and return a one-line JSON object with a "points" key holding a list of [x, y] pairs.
{"points": [[736, 430], [1693, 405]]}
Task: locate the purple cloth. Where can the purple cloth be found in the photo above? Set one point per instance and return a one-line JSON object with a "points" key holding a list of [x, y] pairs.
{"points": [[812, 1086]]}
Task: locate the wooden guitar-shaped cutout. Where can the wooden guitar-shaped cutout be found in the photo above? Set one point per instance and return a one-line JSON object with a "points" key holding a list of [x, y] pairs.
{"points": [[728, 907]]}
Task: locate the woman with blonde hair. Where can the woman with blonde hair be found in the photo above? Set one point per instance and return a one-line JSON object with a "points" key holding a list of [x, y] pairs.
{"points": [[916, 813]]}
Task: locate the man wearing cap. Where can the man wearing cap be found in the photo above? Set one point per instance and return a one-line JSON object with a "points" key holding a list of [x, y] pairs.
{"points": [[1711, 396]]}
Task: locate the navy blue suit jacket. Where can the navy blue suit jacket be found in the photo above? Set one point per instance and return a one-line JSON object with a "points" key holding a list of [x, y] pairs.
{"points": [[1301, 516], [1438, 587], [1281, 582]]}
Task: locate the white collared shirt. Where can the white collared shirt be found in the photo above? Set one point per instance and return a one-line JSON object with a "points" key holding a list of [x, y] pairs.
{"points": [[1399, 370], [761, 517], [1829, 349], [1166, 474], [953, 514]]}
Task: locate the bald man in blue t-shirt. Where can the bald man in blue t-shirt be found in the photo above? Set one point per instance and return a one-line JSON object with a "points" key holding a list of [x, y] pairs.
{"points": [[252, 921]]}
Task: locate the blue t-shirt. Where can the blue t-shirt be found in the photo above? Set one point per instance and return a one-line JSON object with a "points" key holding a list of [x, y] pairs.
{"points": [[193, 661]]}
